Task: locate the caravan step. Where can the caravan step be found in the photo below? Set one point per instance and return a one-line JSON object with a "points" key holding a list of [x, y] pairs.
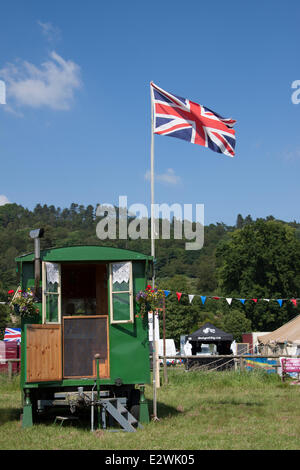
{"points": [[120, 414]]}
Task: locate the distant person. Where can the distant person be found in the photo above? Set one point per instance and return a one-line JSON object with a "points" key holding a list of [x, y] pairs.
{"points": [[233, 347], [188, 349]]}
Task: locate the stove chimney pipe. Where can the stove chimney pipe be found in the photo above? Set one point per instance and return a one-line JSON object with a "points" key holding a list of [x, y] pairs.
{"points": [[37, 234]]}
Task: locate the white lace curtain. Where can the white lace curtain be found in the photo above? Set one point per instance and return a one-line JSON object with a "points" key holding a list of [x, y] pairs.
{"points": [[121, 272], [52, 270]]}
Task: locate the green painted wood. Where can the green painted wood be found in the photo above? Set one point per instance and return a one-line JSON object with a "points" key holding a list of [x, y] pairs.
{"points": [[143, 411], [129, 345]]}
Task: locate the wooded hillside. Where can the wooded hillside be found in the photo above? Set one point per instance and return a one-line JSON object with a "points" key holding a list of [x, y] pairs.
{"points": [[241, 261]]}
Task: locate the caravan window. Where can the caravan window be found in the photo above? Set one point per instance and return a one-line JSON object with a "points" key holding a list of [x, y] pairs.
{"points": [[51, 292], [121, 295]]}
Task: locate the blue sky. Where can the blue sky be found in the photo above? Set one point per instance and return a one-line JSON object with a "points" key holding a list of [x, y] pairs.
{"points": [[76, 126]]}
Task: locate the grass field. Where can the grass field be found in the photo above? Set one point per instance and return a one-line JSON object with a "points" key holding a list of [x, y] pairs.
{"points": [[196, 410]]}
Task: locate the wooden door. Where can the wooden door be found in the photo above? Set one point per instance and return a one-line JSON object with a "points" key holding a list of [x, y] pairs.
{"points": [[43, 353]]}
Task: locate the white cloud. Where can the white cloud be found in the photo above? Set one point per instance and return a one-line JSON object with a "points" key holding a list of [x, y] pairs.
{"points": [[50, 32], [51, 85], [4, 200], [168, 177], [2, 92], [291, 155]]}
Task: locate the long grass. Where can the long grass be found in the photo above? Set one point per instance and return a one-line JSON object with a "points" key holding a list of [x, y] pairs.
{"points": [[196, 410]]}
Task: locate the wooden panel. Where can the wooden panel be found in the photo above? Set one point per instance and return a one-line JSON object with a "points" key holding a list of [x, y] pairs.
{"points": [[43, 353], [85, 336]]}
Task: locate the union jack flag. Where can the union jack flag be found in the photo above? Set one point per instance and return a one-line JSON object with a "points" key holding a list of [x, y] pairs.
{"points": [[12, 334], [179, 117]]}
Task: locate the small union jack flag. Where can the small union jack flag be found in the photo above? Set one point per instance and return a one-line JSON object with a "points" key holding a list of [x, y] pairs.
{"points": [[12, 334], [179, 117]]}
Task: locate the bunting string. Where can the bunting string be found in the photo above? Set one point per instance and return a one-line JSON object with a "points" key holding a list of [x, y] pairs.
{"points": [[229, 299]]}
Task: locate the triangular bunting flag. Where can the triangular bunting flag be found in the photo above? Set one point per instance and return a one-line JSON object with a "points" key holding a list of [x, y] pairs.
{"points": [[228, 299]]}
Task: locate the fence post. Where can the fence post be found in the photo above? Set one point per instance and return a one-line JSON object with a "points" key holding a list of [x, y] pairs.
{"points": [[241, 363]]}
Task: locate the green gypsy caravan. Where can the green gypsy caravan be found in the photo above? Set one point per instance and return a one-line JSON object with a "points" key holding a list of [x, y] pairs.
{"points": [[86, 345]]}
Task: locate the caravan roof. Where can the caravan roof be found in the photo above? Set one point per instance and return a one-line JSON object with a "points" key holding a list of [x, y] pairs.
{"points": [[85, 253]]}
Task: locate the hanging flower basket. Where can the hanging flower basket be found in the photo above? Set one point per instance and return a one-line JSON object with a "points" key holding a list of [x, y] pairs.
{"points": [[149, 299], [23, 303], [16, 309]]}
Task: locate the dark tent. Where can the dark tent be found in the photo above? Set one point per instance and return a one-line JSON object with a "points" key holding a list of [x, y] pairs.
{"points": [[208, 333]]}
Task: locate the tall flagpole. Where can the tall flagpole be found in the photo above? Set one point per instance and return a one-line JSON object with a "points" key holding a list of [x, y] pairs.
{"points": [[154, 365], [152, 187]]}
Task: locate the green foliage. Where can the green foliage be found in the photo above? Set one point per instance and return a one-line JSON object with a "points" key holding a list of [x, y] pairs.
{"points": [[262, 260], [4, 319], [25, 303], [181, 317], [237, 323], [206, 273]]}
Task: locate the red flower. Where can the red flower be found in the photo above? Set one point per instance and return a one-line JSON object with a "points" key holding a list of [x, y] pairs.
{"points": [[148, 287], [11, 292]]}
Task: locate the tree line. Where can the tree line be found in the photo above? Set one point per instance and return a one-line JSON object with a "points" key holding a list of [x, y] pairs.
{"points": [[252, 259]]}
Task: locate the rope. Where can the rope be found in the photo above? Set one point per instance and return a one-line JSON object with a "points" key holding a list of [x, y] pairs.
{"points": [[204, 366], [210, 370]]}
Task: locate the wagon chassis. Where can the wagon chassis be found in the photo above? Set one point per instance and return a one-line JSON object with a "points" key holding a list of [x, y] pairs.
{"points": [[108, 410]]}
